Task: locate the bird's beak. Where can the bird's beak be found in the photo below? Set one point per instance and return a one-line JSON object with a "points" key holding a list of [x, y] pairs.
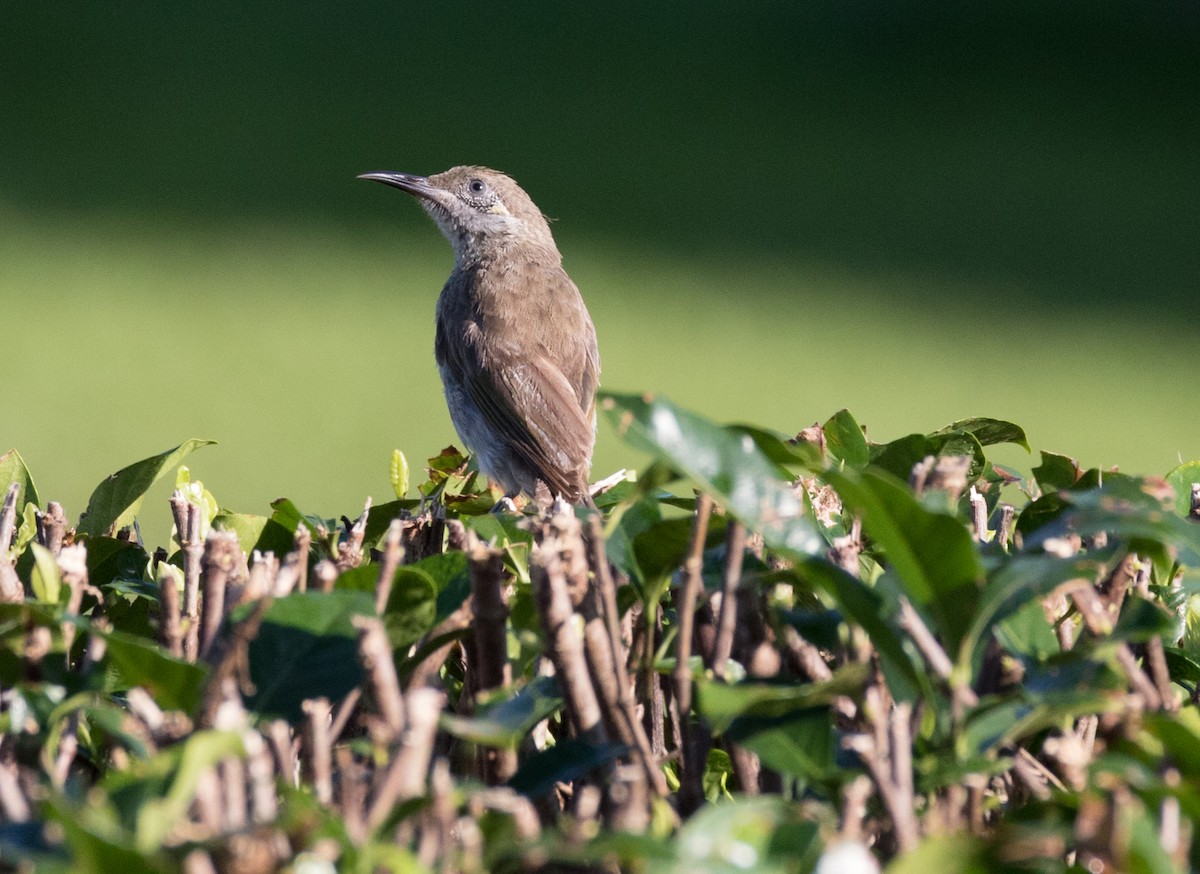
{"points": [[417, 185]]}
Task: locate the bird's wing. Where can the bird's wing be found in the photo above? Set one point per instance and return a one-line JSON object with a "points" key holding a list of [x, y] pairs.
{"points": [[533, 407]]}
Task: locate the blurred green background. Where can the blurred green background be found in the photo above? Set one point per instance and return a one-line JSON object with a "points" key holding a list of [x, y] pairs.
{"points": [[921, 212]]}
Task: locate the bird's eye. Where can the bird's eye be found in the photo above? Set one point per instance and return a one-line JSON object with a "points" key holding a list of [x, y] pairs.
{"points": [[476, 186]]}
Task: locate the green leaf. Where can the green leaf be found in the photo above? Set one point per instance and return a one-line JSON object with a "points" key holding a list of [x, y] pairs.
{"points": [[1181, 479], [117, 500], [46, 579], [722, 703], [398, 473], [175, 684], [959, 853], [989, 432], [1019, 581], [154, 795], [109, 559], [727, 465], [567, 760], [1066, 687], [765, 835], [1183, 666], [1138, 511], [247, 527], [660, 549], [864, 605], [1057, 471], [800, 743], [899, 456], [1028, 633], [97, 847], [13, 470], [504, 720], [932, 553], [778, 447], [306, 648], [718, 770], [845, 440], [411, 607]]}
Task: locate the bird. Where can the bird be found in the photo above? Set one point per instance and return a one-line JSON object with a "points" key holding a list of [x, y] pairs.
{"points": [[515, 345]]}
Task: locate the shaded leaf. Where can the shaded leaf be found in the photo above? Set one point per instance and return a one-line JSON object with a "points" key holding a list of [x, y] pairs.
{"points": [[176, 684], [1019, 581], [565, 761], [864, 605], [305, 648], [721, 703], [504, 721], [799, 743]]}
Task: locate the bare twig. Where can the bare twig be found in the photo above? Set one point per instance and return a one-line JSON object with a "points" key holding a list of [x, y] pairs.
{"points": [[170, 630], [228, 657], [187, 527], [854, 808], [393, 554], [11, 589], [606, 590], [261, 770], [326, 574], [727, 618], [350, 553], [935, 656], [8, 518], [352, 790], [425, 672], [979, 514], [376, 653], [950, 475], [405, 776], [564, 643], [1004, 527], [13, 804], [72, 563], [319, 761], [344, 713], [221, 556], [486, 563], [52, 527], [695, 738]]}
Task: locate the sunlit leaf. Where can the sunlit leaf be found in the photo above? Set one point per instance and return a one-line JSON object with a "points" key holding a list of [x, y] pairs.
{"points": [[14, 470], [727, 465], [116, 501], [932, 553], [398, 473]]}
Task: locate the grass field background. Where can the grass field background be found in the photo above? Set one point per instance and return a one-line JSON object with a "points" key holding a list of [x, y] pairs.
{"points": [[915, 212]]}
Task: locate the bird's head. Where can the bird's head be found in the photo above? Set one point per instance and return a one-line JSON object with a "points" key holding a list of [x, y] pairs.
{"points": [[479, 210]]}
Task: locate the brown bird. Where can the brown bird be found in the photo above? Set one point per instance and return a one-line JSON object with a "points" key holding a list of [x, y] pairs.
{"points": [[515, 345]]}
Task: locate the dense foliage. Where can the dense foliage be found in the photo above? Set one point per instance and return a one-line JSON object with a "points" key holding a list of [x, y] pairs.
{"points": [[817, 653]]}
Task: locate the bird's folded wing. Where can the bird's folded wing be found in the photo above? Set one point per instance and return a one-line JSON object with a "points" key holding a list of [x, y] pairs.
{"points": [[534, 408]]}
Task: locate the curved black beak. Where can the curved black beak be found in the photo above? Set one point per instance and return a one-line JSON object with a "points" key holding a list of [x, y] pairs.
{"points": [[418, 185]]}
